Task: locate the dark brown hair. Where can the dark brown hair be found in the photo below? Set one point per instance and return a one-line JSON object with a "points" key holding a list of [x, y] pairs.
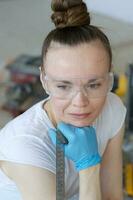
{"points": [[72, 22]]}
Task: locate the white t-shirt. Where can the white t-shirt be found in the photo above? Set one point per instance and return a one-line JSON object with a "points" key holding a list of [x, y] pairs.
{"points": [[25, 140]]}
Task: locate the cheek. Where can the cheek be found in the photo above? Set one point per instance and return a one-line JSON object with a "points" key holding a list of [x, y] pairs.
{"points": [[58, 106], [98, 105]]}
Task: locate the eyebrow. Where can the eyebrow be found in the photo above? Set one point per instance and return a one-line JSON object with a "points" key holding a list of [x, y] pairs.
{"points": [[69, 82], [63, 81], [93, 80]]}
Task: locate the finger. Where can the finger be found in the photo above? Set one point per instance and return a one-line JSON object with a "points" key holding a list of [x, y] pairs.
{"points": [[52, 134], [66, 129], [90, 129], [93, 132]]}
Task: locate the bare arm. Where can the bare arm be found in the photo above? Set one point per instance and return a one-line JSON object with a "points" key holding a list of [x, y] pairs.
{"points": [[111, 169], [34, 183], [89, 183]]}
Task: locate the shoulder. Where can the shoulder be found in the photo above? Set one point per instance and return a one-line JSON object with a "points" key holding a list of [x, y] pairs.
{"points": [[115, 109], [112, 116], [25, 139], [114, 101], [31, 122], [110, 121]]}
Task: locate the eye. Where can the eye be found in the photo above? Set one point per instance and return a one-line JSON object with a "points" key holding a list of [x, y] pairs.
{"points": [[64, 87], [94, 85]]}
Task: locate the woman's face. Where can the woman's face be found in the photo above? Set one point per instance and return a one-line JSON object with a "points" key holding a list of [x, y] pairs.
{"points": [[77, 65]]}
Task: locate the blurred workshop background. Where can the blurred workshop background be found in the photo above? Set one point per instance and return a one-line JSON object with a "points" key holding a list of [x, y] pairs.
{"points": [[23, 26]]}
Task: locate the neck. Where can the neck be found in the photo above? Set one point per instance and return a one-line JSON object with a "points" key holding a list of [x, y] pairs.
{"points": [[48, 108]]}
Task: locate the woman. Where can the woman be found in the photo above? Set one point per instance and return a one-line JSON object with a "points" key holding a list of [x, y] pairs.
{"points": [[76, 73]]}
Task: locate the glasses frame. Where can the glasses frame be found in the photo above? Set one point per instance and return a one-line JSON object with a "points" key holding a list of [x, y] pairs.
{"points": [[47, 77]]}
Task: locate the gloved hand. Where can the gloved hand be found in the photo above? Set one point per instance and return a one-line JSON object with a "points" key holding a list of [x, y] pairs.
{"points": [[82, 147]]}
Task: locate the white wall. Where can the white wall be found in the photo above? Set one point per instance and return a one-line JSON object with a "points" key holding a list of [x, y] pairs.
{"points": [[23, 25], [122, 10], [123, 56]]}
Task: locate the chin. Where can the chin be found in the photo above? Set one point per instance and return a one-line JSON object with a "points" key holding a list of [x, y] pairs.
{"points": [[80, 123], [77, 122]]}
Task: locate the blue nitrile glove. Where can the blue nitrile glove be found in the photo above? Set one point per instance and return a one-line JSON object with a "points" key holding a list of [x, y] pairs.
{"points": [[82, 147]]}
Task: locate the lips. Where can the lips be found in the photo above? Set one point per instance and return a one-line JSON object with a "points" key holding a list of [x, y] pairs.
{"points": [[80, 115]]}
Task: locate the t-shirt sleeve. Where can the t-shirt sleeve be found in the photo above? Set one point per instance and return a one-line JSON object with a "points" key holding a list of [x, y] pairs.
{"points": [[29, 150], [117, 115]]}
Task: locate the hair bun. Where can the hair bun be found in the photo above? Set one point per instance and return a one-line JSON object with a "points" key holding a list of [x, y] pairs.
{"points": [[69, 13]]}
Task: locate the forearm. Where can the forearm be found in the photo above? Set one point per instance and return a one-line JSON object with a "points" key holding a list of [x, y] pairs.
{"points": [[89, 183]]}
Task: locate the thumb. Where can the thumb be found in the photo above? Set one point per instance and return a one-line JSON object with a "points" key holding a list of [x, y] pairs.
{"points": [[52, 134]]}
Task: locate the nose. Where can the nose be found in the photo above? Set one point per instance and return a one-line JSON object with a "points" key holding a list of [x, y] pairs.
{"points": [[80, 100]]}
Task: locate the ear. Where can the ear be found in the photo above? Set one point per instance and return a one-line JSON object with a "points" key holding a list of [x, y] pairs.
{"points": [[41, 78], [111, 67], [40, 68]]}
